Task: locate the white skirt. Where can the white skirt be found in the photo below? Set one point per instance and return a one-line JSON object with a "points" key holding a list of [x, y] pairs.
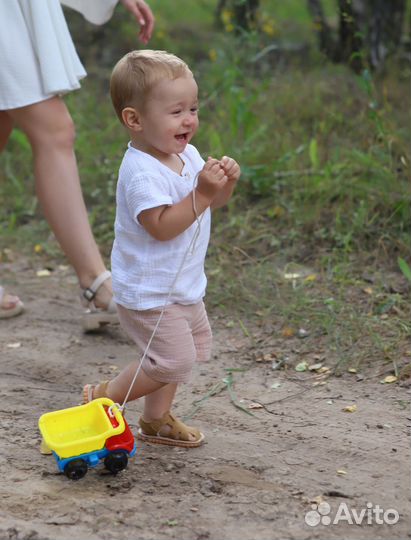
{"points": [[38, 59]]}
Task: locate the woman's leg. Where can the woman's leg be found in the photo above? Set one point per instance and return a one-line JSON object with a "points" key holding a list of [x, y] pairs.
{"points": [[6, 127], [50, 130], [9, 305]]}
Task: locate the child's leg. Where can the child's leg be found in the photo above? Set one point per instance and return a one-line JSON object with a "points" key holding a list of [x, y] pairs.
{"points": [[157, 425], [159, 402], [172, 355], [117, 388], [156, 414]]}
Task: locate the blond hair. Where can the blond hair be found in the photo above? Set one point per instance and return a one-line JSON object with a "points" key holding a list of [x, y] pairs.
{"points": [[137, 72]]}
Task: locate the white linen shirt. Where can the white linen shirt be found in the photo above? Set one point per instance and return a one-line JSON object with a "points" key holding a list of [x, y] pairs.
{"points": [[143, 268]]}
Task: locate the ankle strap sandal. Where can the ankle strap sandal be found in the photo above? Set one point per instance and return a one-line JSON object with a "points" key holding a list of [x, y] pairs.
{"points": [[94, 317]]}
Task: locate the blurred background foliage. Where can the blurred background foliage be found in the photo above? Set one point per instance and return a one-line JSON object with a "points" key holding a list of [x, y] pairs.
{"points": [[311, 97]]}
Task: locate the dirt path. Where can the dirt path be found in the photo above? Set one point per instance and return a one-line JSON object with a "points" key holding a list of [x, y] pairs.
{"points": [[257, 476]]}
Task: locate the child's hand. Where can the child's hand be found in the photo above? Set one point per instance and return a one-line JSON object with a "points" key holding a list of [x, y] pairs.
{"points": [[211, 179], [231, 168]]}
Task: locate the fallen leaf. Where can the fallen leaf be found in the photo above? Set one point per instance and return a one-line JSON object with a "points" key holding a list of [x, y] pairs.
{"points": [[292, 275], [318, 500], [38, 248], [275, 385], [323, 369], [368, 290], [287, 332], [341, 472], [389, 379], [43, 273], [7, 255], [254, 405], [268, 357], [315, 367], [302, 366], [350, 408], [311, 277], [276, 211], [352, 370], [15, 345]]}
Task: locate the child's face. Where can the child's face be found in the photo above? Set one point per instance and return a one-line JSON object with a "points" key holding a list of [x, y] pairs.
{"points": [[170, 117]]}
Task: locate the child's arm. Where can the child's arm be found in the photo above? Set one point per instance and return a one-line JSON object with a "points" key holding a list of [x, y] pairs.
{"points": [[233, 172], [167, 222]]}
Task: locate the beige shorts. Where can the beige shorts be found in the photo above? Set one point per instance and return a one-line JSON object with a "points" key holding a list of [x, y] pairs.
{"points": [[182, 338]]}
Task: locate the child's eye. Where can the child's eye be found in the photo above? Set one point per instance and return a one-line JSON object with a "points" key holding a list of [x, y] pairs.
{"points": [[194, 109], [177, 111]]}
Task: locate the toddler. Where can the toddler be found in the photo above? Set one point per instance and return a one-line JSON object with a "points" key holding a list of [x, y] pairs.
{"points": [[165, 194]]}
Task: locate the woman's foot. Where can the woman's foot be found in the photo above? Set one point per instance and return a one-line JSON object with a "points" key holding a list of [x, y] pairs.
{"points": [[97, 298], [10, 306], [170, 431]]}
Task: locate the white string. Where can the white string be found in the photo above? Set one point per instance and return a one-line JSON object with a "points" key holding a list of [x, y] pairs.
{"points": [[190, 249]]}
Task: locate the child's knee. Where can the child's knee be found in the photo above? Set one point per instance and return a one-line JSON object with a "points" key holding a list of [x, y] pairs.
{"points": [[170, 370]]}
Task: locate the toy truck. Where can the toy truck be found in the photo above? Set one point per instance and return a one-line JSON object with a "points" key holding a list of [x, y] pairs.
{"points": [[83, 436]]}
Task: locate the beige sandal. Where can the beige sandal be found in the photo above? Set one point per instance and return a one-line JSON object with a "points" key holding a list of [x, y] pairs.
{"points": [[10, 306], [178, 435], [88, 390], [94, 318]]}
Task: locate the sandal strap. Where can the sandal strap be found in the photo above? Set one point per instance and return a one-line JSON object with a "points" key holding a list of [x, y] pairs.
{"points": [[90, 292], [88, 390], [178, 430]]}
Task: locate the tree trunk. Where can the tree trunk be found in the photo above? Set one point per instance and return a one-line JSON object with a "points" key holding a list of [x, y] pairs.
{"points": [[368, 30], [385, 29], [325, 40]]}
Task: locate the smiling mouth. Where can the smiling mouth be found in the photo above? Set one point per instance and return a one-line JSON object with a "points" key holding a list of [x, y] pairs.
{"points": [[183, 137]]}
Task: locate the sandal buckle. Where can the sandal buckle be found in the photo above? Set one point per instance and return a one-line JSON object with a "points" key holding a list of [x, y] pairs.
{"points": [[89, 294]]}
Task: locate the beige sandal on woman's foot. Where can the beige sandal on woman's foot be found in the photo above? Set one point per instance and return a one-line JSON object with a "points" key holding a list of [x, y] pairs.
{"points": [[88, 391], [10, 306], [175, 434], [94, 317]]}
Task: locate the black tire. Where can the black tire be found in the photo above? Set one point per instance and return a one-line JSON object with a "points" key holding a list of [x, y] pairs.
{"points": [[116, 461], [76, 469]]}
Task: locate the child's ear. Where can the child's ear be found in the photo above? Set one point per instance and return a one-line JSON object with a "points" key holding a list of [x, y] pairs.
{"points": [[131, 119]]}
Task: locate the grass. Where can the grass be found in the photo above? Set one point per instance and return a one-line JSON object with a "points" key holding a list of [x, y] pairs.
{"points": [[325, 159]]}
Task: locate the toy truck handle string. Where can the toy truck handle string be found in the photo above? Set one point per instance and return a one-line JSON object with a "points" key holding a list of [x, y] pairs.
{"points": [[190, 248]]}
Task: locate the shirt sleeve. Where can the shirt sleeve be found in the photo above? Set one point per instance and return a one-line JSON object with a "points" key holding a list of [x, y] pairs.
{"points": [[146, 191]]}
